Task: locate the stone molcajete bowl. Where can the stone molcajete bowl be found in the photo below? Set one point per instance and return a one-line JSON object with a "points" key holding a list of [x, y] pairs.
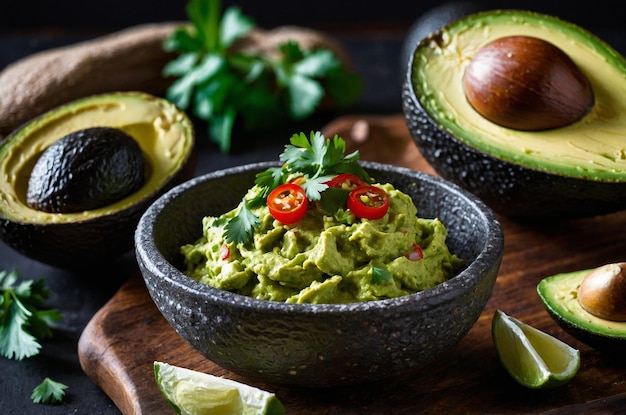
{"points": [[318, 345]]}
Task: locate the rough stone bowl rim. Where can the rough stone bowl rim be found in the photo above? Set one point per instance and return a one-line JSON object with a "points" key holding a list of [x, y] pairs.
{"points": [[149, 255]]}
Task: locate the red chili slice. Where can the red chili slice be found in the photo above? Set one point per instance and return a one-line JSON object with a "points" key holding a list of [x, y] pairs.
{"points": [[345, 181], [224, 252], [368, 202], [416, 254], [287, 203]]}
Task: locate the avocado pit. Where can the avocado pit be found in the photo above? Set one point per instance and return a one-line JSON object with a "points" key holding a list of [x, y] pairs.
{"points": [[526, 83], [86, 169], [603, 292]]}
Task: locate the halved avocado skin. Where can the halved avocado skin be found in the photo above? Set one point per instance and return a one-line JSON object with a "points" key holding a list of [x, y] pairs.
{"points": [[574, 319], [510, 189], [91, 240]]}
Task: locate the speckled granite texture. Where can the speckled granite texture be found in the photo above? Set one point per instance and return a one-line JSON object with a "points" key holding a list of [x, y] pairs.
{"points": [[318, 345]]}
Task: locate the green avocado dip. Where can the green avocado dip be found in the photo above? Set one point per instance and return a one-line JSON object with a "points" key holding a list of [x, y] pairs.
{"points": [[326, 256]]}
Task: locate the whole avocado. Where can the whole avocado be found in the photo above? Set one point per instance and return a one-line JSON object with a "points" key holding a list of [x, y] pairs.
{"points": [[576, 170]]}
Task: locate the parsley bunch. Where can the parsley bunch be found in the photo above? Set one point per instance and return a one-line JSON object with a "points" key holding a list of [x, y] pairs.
{"points": [[222, 85], [316, 160], [22, 321]]}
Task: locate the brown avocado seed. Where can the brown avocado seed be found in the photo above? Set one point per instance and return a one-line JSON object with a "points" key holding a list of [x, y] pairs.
{"points": [[603, 292], [526, 83]]}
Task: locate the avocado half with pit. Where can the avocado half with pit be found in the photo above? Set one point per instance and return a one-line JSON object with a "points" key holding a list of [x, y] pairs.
{"points": [[559, 295], [160, 133], [565, 170]]}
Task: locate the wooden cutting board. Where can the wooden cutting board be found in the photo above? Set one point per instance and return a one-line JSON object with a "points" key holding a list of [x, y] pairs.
{"points": [[121, 342]]}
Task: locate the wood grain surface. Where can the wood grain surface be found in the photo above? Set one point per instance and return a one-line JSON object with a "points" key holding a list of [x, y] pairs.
{"points": [[120, 344]]}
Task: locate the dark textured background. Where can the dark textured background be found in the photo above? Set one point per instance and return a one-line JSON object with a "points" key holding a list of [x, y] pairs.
{"points": [[81, 14]]}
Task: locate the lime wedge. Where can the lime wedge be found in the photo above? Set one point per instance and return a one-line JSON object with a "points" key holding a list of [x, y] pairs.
{"points": [[195, 393], [533, 358]]}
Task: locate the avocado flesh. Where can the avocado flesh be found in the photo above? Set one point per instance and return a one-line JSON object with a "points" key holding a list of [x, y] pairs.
{"points": [[559, 294], [592, 148], [87, 169], [163, 133]]}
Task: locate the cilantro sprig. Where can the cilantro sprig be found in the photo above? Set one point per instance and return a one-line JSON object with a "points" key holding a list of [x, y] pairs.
{"points": [[316, 159], [22, 321], [223, 85]]}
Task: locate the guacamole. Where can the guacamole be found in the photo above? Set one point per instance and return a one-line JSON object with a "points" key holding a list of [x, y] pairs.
{"points": [[325, 257]]}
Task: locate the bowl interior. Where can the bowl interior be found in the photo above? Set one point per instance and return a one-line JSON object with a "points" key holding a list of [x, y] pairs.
{"points": [[471, 225]]}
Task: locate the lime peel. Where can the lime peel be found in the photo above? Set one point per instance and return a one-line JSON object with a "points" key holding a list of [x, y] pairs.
{"points": [[190, 392], [532, 357]]}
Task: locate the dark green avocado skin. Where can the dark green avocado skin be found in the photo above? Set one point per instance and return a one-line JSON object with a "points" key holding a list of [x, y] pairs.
{"points": [[85, 243], [108, 238], [509, 189], [85, 170], [605, 344]]}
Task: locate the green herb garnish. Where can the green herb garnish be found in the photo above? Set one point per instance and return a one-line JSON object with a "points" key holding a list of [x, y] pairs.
{"points": [[48, 392], [222, 84], [241, 227], [22, 321], [316, 160], [381, 275]]}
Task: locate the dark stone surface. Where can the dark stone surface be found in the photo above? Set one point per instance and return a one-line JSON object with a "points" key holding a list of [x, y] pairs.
{"points": [[377, 339]]}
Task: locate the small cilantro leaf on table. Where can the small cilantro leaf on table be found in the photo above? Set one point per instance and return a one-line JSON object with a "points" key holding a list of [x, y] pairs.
{"points": [[48, 392], [222, 85]]}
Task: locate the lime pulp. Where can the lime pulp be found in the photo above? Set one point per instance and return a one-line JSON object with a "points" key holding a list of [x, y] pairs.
{"points": [[532, 357], [191, 392]]}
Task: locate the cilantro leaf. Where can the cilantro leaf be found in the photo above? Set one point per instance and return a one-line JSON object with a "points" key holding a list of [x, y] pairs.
{"points": [[241, 227], [314, 187], [222, 84], [381, 275], [15, 342], [234, 26], [305, 94], [270, 178], [306, 156], [333, 199], [22, 321], [48, 392], [317, 63]]}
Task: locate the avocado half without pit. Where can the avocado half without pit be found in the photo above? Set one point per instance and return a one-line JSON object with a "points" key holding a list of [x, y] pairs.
{"points": [[76, 180], [528, 114], [589, 304]]}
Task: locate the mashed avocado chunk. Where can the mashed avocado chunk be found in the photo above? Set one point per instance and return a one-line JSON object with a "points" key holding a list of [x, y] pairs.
{"points": [[325, 258]]}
